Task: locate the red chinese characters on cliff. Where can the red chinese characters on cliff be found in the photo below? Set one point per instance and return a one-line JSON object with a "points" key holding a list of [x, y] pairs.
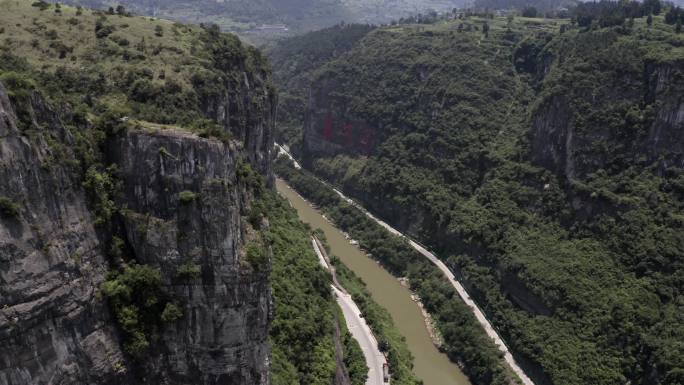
{"points": [[328, 128], [367, 140], [345, 136], [348, 133]]}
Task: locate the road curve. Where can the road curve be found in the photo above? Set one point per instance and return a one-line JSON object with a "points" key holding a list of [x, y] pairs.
{"points": [[479, 315], [356, 325]]}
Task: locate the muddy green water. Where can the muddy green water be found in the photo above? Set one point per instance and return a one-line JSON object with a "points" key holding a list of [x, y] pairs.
{"points": [[431, 366]]}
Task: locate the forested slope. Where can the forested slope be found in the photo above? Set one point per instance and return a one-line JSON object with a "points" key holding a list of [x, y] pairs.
{"points": [[294, 60], [543, 162]]}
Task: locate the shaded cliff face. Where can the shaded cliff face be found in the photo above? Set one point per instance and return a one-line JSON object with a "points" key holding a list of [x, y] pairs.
{"points": [[246, 107], [666, 134], [54, 323], [222, 337], [293, 61], [54, 327], [612, 118], [331, 127]]}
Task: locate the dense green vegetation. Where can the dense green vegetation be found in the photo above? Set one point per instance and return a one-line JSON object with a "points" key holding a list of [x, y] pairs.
{"points": [[303, 325], [545, 6], [305, 314], [464, 340], [391, 342], [610, 13], [294, 61], [528, 159], [140, 305]]}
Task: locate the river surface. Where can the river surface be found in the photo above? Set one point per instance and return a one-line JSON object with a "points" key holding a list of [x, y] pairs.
{"points": [[431, 366]]}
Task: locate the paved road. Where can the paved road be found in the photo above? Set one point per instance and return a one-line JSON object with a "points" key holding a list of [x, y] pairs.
{"points": [[489, 329], [356, 325], [362, 333], [459, 288], [319, 253], [283, 151]]}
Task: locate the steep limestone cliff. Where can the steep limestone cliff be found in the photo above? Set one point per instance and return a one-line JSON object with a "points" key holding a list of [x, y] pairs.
{"points": [[183, 201], [332, 128], [640, 119], [54, 328], [222, 337], [129, 164], [247, 109], [666, 135]]}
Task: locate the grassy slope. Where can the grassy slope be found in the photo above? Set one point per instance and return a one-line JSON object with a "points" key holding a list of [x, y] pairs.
{"points": [[150, 69], [24, 24]]}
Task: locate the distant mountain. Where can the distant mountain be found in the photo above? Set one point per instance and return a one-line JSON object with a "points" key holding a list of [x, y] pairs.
{"points": [[541, 5], [277, 17]]}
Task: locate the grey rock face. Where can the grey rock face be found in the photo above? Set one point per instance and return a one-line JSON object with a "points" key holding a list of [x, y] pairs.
{"points": [[559, 146], [666, 136], [55, 327], [330, 128], [249, 115], [222, 337], [552, 134]]}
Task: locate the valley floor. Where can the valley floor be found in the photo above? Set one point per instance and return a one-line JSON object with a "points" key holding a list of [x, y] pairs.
{"points": [[481, 318], [460, 289]]}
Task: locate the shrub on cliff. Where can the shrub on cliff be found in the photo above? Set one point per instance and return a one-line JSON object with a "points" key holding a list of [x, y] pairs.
{"points": [[101, 187], [8, 207], [42, 5], [257, 256], [186, 197], [138, 302], [171, 313]]}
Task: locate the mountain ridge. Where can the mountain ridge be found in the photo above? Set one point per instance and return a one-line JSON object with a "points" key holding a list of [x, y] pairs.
{"points": [[508, 149]]}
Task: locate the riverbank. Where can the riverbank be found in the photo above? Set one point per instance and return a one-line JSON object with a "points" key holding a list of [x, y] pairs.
{"points": [[375, 359], [465, 340], [435, 335], [387, 305]]}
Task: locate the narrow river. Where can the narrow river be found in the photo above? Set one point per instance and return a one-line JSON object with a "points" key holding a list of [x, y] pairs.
{"points": [[431, 366]]}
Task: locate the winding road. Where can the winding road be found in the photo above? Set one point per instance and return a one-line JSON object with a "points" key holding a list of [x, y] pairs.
{"points": [[356, 324], [479, 315], [481, 318]]}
